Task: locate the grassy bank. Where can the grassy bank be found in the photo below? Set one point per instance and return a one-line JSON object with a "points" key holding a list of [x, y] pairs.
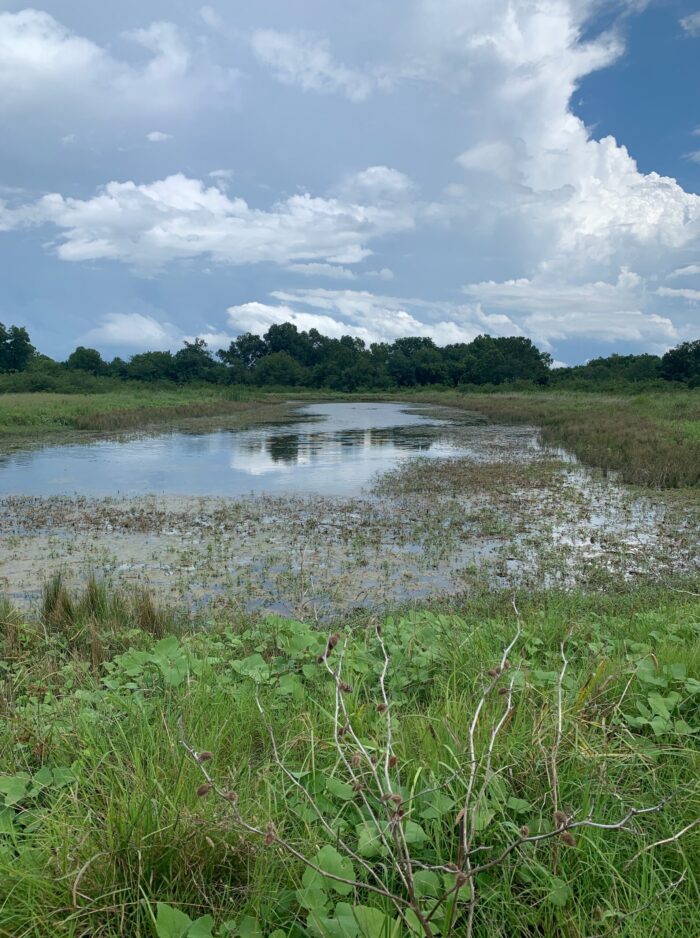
{"points": [[109, 827], [46, 415], [651, 439]]}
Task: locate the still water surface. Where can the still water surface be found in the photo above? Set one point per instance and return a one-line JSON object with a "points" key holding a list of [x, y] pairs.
{"points": [[330, 449]]}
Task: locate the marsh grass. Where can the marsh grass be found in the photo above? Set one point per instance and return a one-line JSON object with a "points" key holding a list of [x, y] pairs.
{"points": [[45, 414], [120, 827], [650, 439]]}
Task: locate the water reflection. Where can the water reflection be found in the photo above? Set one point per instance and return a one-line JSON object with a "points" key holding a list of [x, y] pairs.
{"points": [[300, 449], [329, 449]]}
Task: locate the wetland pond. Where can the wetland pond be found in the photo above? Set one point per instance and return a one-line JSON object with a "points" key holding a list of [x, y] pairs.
{"points": [[324, 449], [329, 508]]}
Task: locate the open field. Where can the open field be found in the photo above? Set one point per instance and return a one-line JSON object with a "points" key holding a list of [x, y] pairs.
{"points": [[106, 815]]}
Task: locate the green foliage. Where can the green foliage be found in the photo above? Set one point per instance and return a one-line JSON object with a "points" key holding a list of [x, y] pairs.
{"points": [[98, 799], [16, 350]]}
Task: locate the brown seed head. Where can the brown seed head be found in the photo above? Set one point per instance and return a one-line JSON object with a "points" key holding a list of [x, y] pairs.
{"points": [[356, 760], [392, 762], [382, 708], [569, 839], [204, 790], [320, 659], [453, 867], [460, 880], [493, 672], [205, 756], [397, 799], [357, 786], [269, 839], [231, 796], [560, 818], [524, 831], [333, 641], [345, 687], [502, 691]]}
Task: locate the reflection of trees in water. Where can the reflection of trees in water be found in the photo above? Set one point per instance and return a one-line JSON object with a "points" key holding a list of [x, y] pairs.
{"points": [[284, 448], [288, 448]]}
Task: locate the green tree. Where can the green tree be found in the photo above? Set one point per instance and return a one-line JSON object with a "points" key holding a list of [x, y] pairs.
{"points": [[194, 362], [280, 368], [682, 363], [86, 359], [16, 350]]}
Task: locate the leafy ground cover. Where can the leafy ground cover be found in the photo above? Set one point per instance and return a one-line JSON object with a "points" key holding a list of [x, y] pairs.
{"points": [[512, 766]]}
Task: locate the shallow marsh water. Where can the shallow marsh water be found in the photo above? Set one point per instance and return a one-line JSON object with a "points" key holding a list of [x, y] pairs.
{"points": [[345, 518], [325, 449]]}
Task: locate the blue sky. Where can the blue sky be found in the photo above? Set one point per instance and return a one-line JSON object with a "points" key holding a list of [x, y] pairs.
{"points": [[381, 168]]}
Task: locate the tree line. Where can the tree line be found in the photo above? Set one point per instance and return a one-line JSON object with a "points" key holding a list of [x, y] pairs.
{"points": [[287, 357]]}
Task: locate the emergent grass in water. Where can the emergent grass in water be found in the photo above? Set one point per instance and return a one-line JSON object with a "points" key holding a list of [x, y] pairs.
{"points": [[499, 509]]}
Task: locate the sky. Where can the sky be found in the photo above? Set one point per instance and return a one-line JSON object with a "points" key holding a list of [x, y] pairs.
{"points": [[380, 168]]}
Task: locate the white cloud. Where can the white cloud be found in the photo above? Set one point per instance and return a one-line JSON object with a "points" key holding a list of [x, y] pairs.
{"points": [[133, 330], [332, 271], [146, 226], [690, 270], [691, 24], [377, 318], [692, 295], [298, 59], [47, 68], [549, 310], [384, 274], [693, 156], [157, 136]]}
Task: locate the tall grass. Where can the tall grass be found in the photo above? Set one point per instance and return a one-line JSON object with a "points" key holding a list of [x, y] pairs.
{"points": [[651, 439], [118, 826], [43, 414]]}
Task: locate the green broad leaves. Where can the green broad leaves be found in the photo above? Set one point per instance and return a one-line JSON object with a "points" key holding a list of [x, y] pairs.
{"points": [[666, 704], [348, 921], [168, 661], [330, 862], [22, 787], [171, 922]]}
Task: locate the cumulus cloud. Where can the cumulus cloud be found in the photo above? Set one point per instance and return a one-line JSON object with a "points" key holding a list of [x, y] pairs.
{"points": [[44, 65], [298, 59], [138, 332], [133, 331], [550, 310], [691, 24], [377, 318], [157, 136], [147, 226]]}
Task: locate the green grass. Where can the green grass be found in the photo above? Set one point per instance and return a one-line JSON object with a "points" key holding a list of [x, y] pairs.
{"points": [[102, 819], [652, 439], [44, 415]]}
